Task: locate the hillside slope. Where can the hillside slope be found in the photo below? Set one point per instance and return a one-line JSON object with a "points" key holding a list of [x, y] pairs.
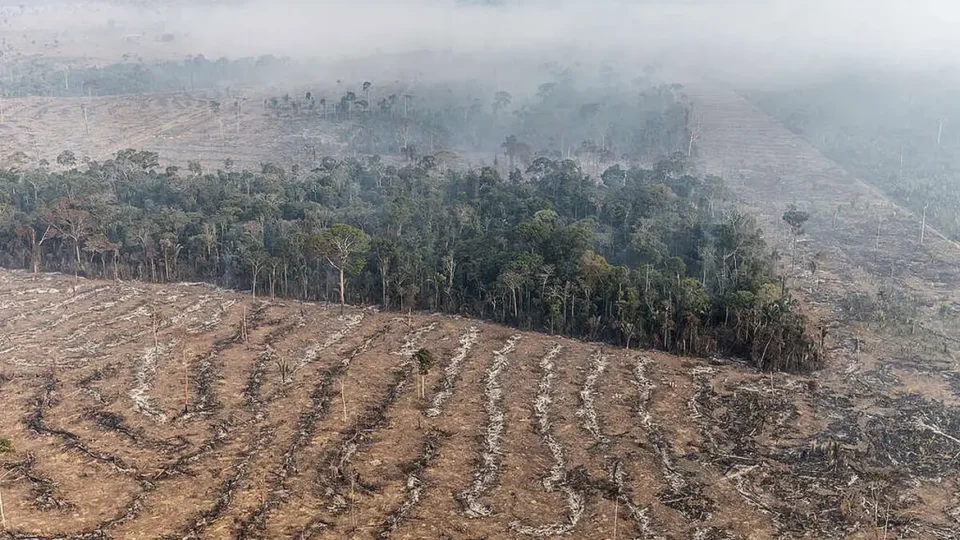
{"points": [[141, 411], [519, 434], [889, 303]]}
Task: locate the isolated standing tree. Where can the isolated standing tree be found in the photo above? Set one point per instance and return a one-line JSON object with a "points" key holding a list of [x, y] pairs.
{"points": [[923, 222], [340, 245], [795, 218], [425, 361]]}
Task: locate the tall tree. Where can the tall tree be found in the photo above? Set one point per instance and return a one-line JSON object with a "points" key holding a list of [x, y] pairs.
{"points": [[71, 221], [341, 246]]}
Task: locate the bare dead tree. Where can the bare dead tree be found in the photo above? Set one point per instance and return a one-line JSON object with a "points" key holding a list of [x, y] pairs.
{"points": [[238, 104], [877, 245], [70, 221], [695, 132], [156, 321], [86, 124], [243, 324], [186, 380], [28, 233], [923, 222], [343, 396], [283, 368]]}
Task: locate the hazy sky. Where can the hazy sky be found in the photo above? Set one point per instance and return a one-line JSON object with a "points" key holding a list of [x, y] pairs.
{"points": [[750, 38]]}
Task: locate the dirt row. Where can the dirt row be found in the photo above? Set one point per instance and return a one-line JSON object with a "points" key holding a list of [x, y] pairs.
{"points": [[199, 413]]}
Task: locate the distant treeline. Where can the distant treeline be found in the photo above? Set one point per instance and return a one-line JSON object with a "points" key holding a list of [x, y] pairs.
{"points": [[636, 123], [641, 257], [43, 77]]}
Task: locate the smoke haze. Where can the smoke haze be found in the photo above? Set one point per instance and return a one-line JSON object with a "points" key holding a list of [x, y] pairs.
{"points": [[741, 40]]}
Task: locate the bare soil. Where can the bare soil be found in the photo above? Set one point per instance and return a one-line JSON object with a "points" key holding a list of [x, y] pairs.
{"points": [[110, 443], [181, 127]]}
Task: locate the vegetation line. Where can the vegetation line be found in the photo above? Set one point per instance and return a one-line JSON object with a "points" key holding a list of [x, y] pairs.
{"points": [[653, 257], [587, 411]]}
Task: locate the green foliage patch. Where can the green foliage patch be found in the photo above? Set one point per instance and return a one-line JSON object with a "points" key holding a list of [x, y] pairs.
{"points": [[651, 257]]}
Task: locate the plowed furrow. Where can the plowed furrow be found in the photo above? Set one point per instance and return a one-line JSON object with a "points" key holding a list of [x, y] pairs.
{"points": [[557, 478], [488, 466], [321, 398]]}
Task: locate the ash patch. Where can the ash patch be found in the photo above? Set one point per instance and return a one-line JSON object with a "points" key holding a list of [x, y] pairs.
{"points": [[915, 435]]}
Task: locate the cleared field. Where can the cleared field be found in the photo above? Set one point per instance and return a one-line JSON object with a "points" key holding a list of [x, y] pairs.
{"points": [[180, 127], [857, 244], [141, 411]]}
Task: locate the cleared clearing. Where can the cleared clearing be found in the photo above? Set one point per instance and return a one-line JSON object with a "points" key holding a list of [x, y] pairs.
{"points": [[535, 435], [181, 127]]}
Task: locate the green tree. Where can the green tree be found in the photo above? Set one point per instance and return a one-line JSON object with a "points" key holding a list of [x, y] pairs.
{"points": [[425, 362], [341, 246], [67, 159]]}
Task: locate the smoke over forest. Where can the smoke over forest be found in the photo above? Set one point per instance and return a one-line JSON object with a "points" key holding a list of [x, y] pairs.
{"points": [[737, 40]]}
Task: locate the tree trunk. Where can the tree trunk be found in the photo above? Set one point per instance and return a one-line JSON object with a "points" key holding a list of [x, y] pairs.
{"points": [[343, 297], [76, 247]]}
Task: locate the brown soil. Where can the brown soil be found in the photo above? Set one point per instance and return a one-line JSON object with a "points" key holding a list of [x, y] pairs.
{"points": [[181, 127], [680, 448]]}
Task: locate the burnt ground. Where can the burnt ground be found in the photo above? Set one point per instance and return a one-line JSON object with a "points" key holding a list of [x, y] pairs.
{"points": [[520, 434], [885, 407]]}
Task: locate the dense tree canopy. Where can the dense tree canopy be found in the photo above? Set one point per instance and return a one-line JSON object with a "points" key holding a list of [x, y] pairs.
{"points": [[654, 257]]}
